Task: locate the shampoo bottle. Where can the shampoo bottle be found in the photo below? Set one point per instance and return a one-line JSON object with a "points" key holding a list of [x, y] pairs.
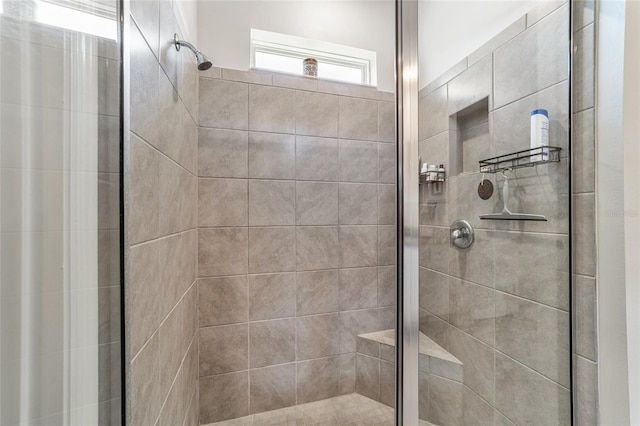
{"points": [[540, 133]]}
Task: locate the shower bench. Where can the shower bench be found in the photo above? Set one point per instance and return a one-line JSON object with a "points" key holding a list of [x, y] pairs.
{"points": [[440, 376]]}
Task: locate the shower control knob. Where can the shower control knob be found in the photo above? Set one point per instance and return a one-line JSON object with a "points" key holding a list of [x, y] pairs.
{"points": [[461, 234]]}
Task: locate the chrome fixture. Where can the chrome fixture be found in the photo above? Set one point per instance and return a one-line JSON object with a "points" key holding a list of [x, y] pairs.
{"points": [[204, 63], [461, 234]]}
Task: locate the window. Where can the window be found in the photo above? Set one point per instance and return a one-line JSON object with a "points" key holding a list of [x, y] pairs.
{"points": [[95, 17], [285, 53]]}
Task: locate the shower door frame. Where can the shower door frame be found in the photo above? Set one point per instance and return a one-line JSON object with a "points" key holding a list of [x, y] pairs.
{"points": [[407, 222], [407, 217]]}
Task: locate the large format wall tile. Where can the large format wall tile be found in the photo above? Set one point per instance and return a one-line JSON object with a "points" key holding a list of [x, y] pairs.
{"points": [[222, 300], [317, 379], [586, 342], [223, 104], [317, 292], [358, 119], [222, 202], [434, 293], [477, 264], [224, 349], [271, 109], [145, 384], [518, 69], [358, 161], [316, 337], [541, 401], [353, 323], [222, 153], [445, 401], [272, 249], [271, 156], [547, 255], [434, 106], [316, 114], [472, 309], [478, 361], [386, 204], [316, 203], [144, 89], [272, 296], [512, 121], [146, 14], [386, 122], [224, 397], [535, 335], [587, 391], [222, 251], [143, 220], [317, 247], [583, 151], [471, 86], [387, 285], [358, 204], [583, 69], [271, 203], [316, 158], [584, 239], [386, 245], [358, 288], [272, 342], [368, 376], [272, 388], [358, 246], [143, 294]]}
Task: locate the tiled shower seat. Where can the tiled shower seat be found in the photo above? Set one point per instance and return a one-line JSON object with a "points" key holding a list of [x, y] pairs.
{"points": [[440, 381]]}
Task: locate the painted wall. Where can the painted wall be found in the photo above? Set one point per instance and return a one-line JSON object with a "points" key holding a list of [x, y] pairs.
{"points": [[632, 202], [224, 28], [609, 211], [464, 25]]}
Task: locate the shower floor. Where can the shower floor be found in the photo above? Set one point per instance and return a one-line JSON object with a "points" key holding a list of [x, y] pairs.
{"points": [[346, 410]]}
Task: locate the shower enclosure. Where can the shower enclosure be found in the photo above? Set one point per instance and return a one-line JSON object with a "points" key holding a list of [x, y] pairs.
{"points": [[213, 241]]}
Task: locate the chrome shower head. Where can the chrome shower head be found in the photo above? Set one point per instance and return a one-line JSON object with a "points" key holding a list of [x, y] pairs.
{"points": [[203, 62]]}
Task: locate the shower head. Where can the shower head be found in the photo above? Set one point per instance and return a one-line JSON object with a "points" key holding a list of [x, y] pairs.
{"points": [[203, 62]]}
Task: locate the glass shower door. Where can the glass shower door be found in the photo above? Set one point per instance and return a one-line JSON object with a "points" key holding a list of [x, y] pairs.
{"points": [[494, 247], [60, 217]]}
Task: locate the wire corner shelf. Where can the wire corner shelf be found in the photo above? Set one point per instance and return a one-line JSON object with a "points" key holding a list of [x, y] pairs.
{"points": [[525, 158]]}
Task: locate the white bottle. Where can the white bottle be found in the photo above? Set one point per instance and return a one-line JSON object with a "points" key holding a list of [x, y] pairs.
{"points": [[540, 133]]}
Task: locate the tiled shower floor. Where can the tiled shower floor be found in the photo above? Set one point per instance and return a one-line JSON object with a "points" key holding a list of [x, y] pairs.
{"points": [[346, 410]]}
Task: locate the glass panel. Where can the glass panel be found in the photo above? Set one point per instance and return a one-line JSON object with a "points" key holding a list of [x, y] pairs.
{"points": [[295, 235], [494, 316], [59, 217]]}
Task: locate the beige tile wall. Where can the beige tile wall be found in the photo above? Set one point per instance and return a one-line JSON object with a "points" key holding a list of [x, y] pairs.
{"points": [[161, 211], [296, 235], [502, 307]]}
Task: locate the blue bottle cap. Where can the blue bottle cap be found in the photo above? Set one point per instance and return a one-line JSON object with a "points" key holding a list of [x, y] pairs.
{"points": [[540, 111]]}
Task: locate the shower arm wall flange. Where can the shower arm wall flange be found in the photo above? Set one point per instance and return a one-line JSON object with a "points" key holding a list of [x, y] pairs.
{"points": [[179, 43]]}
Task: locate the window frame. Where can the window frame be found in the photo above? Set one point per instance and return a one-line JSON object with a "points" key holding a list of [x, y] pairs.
{"points": [[324, 52]]}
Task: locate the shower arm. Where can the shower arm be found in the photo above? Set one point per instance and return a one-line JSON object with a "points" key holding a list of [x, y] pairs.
{"points": [[179, 43]]}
